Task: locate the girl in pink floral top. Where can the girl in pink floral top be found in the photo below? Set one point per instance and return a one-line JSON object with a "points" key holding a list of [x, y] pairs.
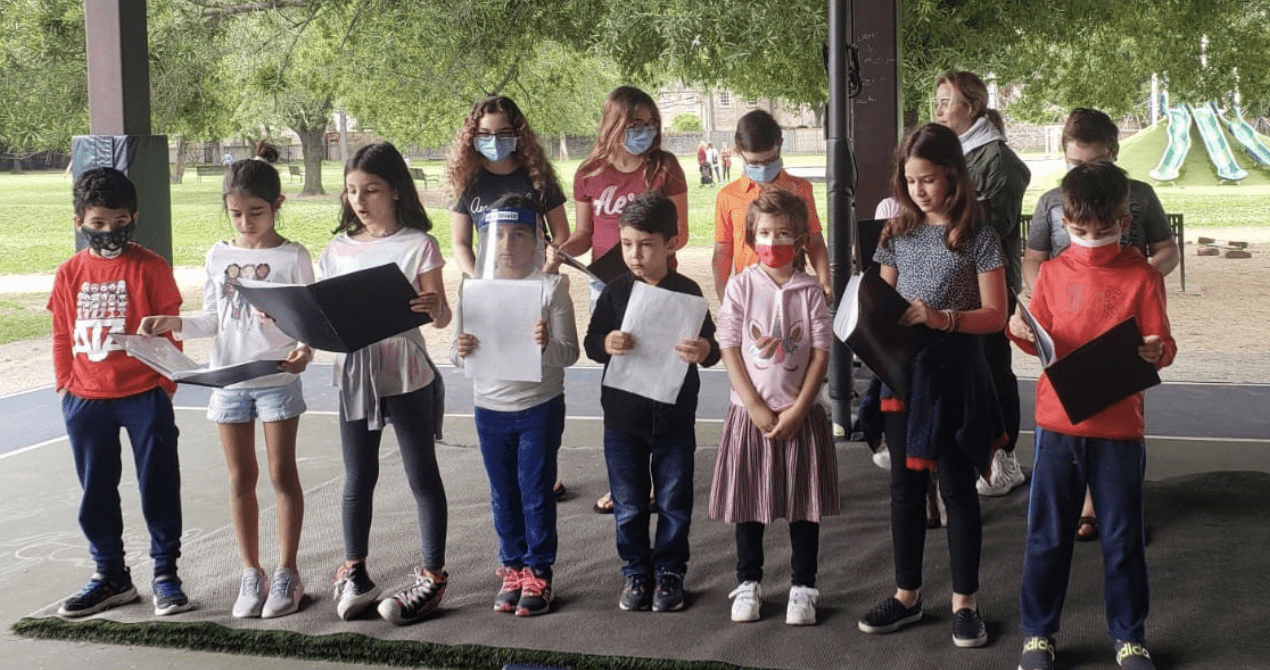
{"points": [[776, 455]]}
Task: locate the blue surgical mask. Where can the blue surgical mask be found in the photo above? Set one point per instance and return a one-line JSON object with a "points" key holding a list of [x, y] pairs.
{"points": [[762, 174], [639, 140], [493, 147]]}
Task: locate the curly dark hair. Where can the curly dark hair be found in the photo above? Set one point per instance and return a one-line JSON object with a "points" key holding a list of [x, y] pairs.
{"points": [[104, 187], [463, 163]]}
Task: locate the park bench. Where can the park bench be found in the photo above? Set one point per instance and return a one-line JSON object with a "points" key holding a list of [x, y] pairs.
{"points": [[201, 171], [418, 175], [294, 171], [1176, 224]]}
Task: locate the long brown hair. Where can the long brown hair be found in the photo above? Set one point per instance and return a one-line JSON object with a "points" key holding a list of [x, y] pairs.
{"points": [[384, 161], [940, 146], [463, 163], [972, 88], [619, 110]]}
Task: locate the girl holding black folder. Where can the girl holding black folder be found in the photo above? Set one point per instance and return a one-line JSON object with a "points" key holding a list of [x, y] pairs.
{"points": [[383, 221], [943, 258], [252, 196]]}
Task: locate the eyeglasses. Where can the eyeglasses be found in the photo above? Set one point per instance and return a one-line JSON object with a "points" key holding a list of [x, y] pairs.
{"points": [[942, 104], [502, 135], [641, 125]]}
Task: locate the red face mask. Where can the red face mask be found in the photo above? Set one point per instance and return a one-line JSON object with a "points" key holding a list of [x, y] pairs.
{"points": [[775, 255]]}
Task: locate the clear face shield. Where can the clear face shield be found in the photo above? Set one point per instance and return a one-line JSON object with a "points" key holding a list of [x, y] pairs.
{"points": [[510, 244]]}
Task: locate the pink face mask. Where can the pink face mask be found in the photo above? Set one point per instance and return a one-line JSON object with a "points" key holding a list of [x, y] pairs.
{"points": [[774, 255]]}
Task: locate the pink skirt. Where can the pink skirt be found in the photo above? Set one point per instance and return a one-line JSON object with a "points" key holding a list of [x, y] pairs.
{"points": [[757, 479]]}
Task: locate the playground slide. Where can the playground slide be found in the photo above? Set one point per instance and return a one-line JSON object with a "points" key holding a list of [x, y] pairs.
{"points": [[1242, 131], [1215, 141], [1179, 145]]}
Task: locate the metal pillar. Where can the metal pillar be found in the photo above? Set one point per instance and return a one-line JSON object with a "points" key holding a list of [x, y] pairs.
{"points": [[119, 116], [840, 177], [879, 109]]}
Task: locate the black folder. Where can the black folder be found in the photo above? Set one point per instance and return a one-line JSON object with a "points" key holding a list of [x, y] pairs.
{"points": [[1102, 372], [867, 234], [877, 337], [163, 357], [343, 313], [604, 269]]}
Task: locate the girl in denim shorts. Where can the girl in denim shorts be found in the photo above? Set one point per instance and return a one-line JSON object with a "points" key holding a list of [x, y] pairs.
{"points": [[252, 196]]}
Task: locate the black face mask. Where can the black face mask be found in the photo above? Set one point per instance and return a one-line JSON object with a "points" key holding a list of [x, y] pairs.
{"points": [[110, 243]]}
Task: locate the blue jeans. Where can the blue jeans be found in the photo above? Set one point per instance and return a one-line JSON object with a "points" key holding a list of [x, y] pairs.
{"points": [[628, 457], [1113, 470], [93, 428], [519, 449]]}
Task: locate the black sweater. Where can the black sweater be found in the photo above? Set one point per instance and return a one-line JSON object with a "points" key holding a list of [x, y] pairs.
{"points": [[626, 411]]}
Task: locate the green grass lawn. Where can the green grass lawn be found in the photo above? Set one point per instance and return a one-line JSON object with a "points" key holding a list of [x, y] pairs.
{"points": [[39, 235]]}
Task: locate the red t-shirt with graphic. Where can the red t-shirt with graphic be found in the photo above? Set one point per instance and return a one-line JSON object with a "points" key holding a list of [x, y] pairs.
{"points": [[93, 296], [610, 189]]}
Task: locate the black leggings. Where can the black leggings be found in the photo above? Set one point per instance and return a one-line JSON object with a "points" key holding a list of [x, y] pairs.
{"points": [[804, 540], [411, 417], [957, 476]]}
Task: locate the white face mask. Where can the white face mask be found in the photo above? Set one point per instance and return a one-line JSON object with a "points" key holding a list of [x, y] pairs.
{"points": [[1094, 244]]}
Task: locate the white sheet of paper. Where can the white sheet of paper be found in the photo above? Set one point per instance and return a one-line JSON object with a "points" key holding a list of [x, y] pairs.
{"points": [[657, 319], [502, 313]]}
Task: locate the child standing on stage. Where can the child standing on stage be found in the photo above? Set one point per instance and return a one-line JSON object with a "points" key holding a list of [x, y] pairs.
{"points": [[494, 154], [776, 455], [639, 430], [108, 288], [382, 221], [519, 423], [252, 195], [1093, 285], [942, 257]]}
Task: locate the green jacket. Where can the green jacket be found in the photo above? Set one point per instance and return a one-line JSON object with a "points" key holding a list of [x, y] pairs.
{"points": [[1001, 177]]}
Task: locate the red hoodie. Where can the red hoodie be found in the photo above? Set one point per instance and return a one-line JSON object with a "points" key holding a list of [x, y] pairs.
{"points": [[1077, 297]]}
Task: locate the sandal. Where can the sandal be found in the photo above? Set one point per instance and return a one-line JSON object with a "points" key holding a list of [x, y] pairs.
{"points": [[604, 505], [559, 491], [1090, 522]]}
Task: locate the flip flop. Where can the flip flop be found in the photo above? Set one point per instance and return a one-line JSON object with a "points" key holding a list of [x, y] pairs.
{"points": [[1092, 523], [604, 505]]}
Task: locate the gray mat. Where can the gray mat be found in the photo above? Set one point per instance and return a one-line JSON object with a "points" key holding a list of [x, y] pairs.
{"points": [[1209, 599]]}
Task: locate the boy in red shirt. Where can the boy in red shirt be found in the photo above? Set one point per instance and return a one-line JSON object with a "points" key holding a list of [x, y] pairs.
{"points": [[109, 288], [1093, 285]]}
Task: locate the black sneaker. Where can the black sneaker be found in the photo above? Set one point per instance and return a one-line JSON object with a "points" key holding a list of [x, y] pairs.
{"points": [[669, 594], [509, 593], [1133, 656], [889, 616], [168, 596], [635, 595], [99, 594], [968, 628], [414, 603], [354, 590], [535, 593], [1038, 654]]}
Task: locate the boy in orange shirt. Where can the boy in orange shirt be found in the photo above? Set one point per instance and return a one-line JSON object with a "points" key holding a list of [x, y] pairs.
{"points": [[758, 140], [1093, 285]]}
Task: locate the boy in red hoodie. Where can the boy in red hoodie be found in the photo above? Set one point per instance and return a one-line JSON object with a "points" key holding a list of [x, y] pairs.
{"points": [[1090, 287]]}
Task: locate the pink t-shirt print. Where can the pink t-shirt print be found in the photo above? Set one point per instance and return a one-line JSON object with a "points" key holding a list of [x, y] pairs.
{"points": [[609, 191]]}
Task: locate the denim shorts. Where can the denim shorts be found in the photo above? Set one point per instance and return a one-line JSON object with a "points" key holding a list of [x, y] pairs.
{"points": [[270, 403]]}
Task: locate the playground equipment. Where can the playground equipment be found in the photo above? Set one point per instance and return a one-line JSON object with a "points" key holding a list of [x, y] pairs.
{"points": [[1179, 145], [1243, 133], [1215, 141]]}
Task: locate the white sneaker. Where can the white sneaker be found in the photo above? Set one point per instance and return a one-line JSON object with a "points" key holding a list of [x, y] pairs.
{"points": [[747, 601], [285, 593], [1006, 475], [801, 610], [251, 594], [882, 458]]}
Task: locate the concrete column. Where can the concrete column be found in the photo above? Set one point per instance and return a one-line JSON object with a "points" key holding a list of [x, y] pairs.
{"points": [[119, 116], [879, 109]]}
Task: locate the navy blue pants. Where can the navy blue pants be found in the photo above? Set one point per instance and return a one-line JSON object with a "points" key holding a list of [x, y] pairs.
{"points": [[1114, 471], [93, 428], [628, 456], [519, 450]]}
